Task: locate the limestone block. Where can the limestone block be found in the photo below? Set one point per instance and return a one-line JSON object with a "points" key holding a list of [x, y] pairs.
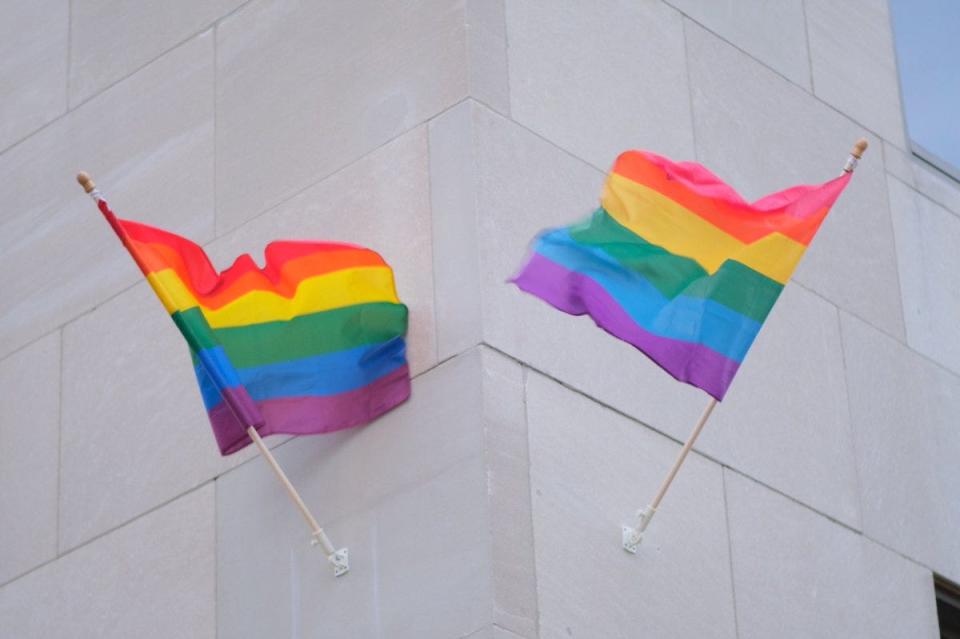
{"points": [[304, 89], [599, 78], [33, 68], [927, 238], [797, 574], [775, 33], [154, 579], [904, 413], [110, 39], [487, 53], [29, 456]]}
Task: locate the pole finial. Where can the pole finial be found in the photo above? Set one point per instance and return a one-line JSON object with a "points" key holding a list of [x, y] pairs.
{"points": [[859, 147], [86, 181], [856, 153]]}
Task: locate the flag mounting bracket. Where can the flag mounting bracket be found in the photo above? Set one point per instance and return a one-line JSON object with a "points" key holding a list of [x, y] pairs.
{"points": [[633, 535], [631, 539], [340, 560]]}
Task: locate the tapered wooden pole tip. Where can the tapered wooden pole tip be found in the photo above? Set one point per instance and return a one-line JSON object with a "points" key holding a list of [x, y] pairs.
{"points": [[86, 181], [859, 147]]}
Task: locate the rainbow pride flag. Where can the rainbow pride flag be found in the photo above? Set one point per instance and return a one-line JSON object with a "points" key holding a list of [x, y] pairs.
{"points": [[676, 263], [311, 343]]}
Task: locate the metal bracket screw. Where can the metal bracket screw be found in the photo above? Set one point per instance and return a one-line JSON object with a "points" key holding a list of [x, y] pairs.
{"points": [[631, 539], [340, 560]]}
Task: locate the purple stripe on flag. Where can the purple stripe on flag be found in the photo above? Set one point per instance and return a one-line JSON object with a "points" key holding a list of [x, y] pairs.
{"points": [[314, 414], [242, 406], [578, 294]]}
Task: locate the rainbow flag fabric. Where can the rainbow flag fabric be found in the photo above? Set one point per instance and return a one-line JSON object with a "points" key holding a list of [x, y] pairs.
{"points": [[676, 263], [311, 343]]}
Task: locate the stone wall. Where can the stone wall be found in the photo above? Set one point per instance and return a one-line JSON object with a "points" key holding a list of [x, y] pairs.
{"points": [[820, 500]]}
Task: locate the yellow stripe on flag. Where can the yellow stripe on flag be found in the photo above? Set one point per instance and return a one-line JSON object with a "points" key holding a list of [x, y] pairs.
{"points": [[662, 221], [346, 287]]}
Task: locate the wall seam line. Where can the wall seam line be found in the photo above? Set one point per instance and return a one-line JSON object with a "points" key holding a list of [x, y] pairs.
{"points": [[507, 69], [896, 253], [686, 70], [487, 461], [524, 369], [66, 93], [428, 134], [60, 344], [806, 39], [216, 558], [850, 428], [726, 518], [216, 79]]}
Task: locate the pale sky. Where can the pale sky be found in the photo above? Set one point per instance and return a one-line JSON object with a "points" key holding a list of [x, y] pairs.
{"points": [[927, 34]]}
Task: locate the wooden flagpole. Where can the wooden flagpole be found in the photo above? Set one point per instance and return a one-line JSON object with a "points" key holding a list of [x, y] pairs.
{"points": [[633, 535], [338, 558]]}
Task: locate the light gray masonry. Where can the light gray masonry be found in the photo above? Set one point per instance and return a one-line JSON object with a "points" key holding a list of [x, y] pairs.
{"points": [[821, 499]]}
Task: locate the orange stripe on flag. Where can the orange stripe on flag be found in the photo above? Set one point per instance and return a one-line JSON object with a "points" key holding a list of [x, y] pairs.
{"points": [[245, 276], [740, 220]]}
